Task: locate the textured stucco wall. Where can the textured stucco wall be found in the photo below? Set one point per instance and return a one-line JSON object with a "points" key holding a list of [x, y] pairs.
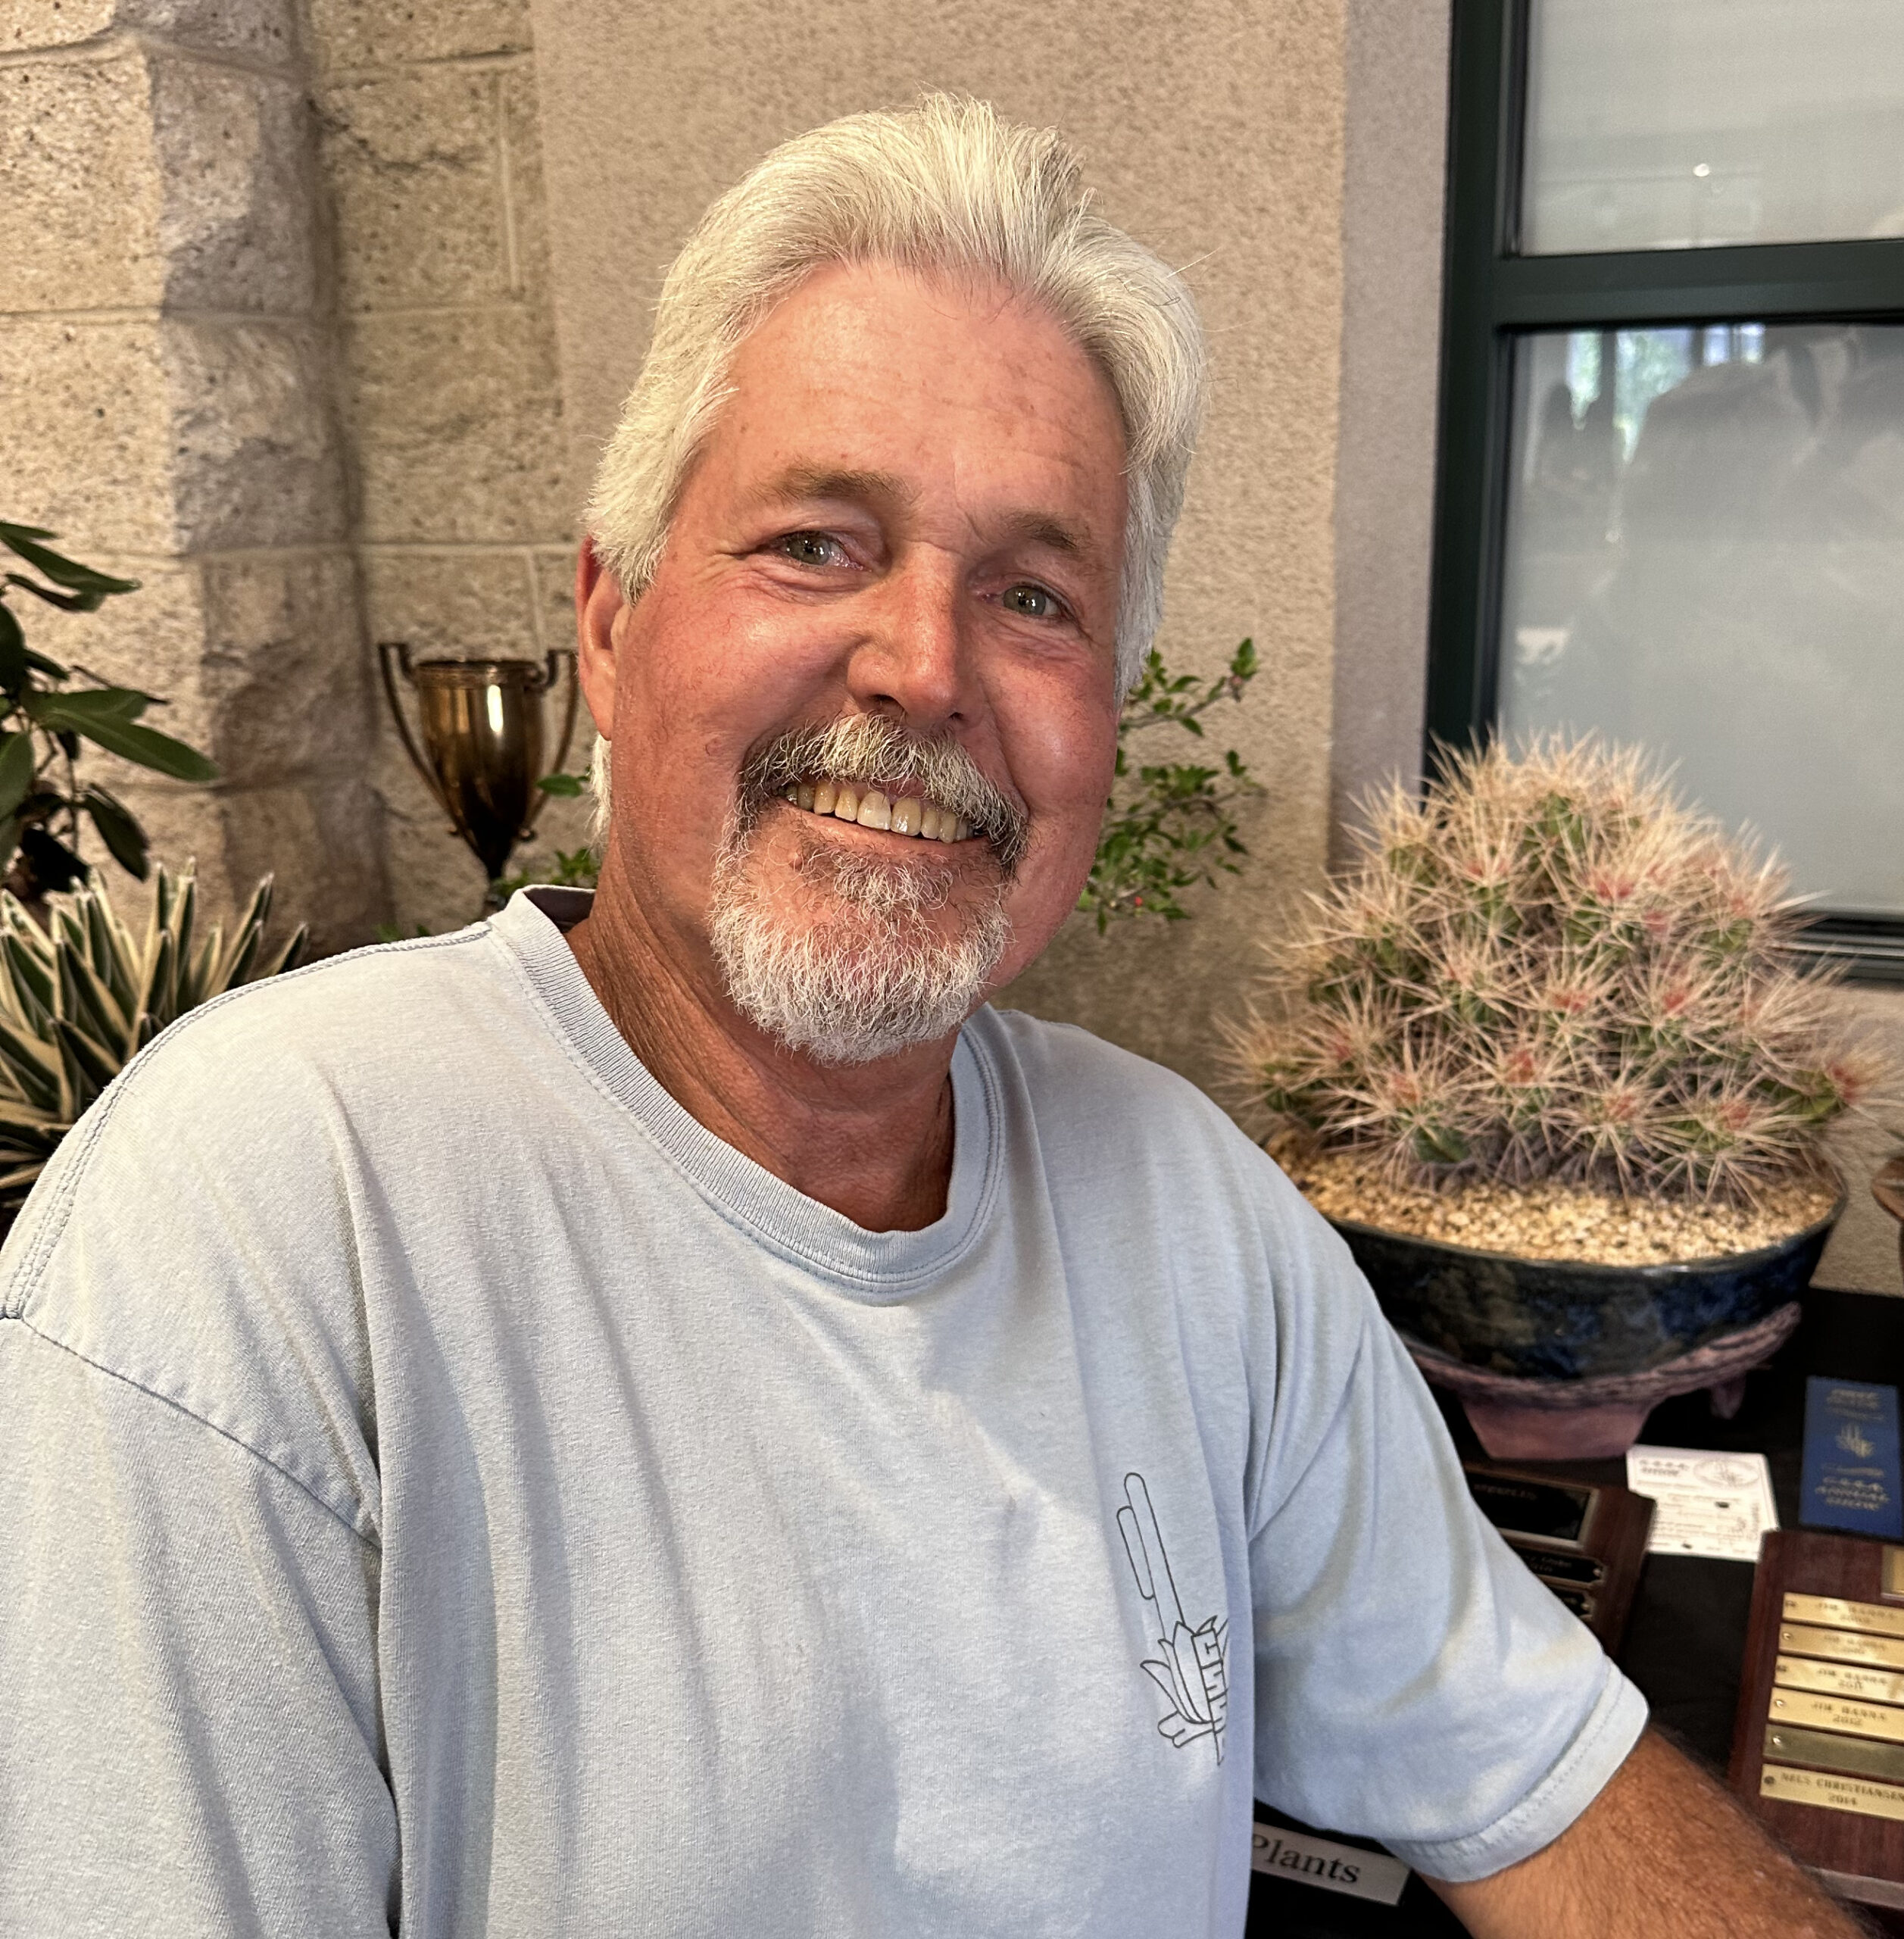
{"points": [[430, 178], [1393, 182], [1215, 133]]}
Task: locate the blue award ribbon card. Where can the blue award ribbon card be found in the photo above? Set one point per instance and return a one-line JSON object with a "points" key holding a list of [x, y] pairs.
{"points": [[1851, 1464]]}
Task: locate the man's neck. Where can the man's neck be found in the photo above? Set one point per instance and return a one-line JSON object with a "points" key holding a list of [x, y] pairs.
{"points": [[874, 1141]]}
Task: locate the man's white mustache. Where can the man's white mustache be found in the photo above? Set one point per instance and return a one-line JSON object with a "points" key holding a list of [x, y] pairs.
{"points": [[872, 750]]}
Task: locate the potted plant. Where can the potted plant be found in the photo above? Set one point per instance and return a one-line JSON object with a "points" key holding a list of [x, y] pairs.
{"points": [[1543, 1055], [79, 995], [44, 717]]}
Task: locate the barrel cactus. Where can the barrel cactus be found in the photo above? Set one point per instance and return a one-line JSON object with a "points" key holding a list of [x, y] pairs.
{"points": [[1549, 966], [79, 998]]}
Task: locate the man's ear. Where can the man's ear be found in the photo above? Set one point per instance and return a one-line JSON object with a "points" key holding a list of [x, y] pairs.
{"points": [[598, 603]]}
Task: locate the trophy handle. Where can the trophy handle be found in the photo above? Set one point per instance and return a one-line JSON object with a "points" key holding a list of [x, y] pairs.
{"points": [[398, 650], [553, 673]]}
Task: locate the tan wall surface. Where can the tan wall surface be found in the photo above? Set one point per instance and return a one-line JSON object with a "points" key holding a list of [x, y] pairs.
{"points": [[430, 167], [1215, 134]]}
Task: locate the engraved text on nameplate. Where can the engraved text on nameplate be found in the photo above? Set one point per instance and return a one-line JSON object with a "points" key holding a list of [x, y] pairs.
{"points": [[1801, 1706], [1853, 1680], [1785, 1744], [1830, 1794], [1842, 1646], [1835, 1612]]}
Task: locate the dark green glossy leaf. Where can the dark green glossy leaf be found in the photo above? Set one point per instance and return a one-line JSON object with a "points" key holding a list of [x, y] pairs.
{"points": [[12, 653], [124, 838], [563, 784], [122, 737], [61, 570], [16, 772], [67, 602], [88, 703]]}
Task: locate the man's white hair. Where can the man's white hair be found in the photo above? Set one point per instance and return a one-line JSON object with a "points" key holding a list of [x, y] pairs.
{"points": [[946, 187]]}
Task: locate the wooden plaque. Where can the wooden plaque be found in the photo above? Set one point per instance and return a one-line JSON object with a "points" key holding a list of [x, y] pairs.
{"points": [[1586, 1540], [1818, 1749]]}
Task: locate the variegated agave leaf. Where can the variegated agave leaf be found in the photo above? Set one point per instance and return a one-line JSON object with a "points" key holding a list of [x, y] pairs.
{"points": [[79, 999]]}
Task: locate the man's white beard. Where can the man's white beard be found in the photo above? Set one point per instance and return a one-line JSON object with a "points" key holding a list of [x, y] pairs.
{"points": [[862, 979]]}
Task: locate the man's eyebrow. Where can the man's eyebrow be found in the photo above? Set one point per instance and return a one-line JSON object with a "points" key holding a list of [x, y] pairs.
{"points": [[804, 483], [1034, 528], [800, 481]]}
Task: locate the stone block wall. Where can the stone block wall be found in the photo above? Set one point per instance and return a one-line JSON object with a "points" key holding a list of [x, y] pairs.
{"points": [[430, 164], [276, 339], [166, 405]]}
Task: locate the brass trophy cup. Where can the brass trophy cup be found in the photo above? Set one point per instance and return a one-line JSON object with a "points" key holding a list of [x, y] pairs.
{"points": [[481, 722]]}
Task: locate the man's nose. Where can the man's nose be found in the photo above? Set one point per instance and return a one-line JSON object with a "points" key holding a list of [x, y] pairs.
{"points": [[912, 661]]}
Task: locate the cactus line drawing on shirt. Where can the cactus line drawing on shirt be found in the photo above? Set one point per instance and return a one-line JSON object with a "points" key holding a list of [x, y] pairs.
{"points": [[1193, 1672]]}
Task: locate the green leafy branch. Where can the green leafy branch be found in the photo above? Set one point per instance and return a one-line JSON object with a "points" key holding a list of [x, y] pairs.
{"points": [[1174, 829], [43, 721]]}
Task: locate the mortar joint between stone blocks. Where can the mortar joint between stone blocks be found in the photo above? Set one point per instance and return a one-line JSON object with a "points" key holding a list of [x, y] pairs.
{"points": [[396, 70], [506, 191], [121, 43]]}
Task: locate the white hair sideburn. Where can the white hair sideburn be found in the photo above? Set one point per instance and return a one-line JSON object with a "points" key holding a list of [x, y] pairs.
{"points": [[945, 186]]}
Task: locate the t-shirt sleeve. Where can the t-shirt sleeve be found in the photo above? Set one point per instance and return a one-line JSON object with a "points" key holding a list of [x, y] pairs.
{"points": [[190, 1744], [1415, 1683]]}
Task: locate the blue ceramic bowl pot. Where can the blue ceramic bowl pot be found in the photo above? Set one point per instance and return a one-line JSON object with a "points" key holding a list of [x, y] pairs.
{"points": [[1545, 1319]]}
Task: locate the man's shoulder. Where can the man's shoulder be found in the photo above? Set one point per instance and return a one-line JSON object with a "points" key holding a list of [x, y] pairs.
{"points": [[241, 1103], [361, 1003], [194, 1238], [361, 1030]]}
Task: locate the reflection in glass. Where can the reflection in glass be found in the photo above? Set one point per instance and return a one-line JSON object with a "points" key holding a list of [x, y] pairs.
{"points": [[1669, 124], [1706, 555]]}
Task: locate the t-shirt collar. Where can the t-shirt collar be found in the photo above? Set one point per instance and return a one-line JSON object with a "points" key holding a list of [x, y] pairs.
{"points": [[876, 1266]]}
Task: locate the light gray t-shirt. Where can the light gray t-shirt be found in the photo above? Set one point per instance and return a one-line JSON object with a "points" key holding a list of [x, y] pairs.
{"points": [[445, 1486]]}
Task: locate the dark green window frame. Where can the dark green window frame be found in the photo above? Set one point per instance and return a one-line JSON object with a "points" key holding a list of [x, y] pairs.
{"points": [[1492, 294]]}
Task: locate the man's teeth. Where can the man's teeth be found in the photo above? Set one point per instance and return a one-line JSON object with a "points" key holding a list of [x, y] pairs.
{"points": [[905, 814]]}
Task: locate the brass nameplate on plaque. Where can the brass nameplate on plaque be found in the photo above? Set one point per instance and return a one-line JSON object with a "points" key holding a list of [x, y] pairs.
{"points": [[1802, 1706], [1788, 1744], [1829, 1793], [1893, 1568], [1842, 1646], [1834, 1613], [1868, 1686]]}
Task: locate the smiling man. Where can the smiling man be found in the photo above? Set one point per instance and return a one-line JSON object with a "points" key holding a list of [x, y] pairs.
{"points": [[665, 1414]]}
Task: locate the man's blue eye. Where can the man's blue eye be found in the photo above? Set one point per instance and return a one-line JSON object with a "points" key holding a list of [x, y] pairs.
{"points": [[1033, 601]]}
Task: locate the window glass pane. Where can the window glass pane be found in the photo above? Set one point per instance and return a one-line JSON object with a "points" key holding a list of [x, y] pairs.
{"points": [[1706, 555], [1667, 124]]}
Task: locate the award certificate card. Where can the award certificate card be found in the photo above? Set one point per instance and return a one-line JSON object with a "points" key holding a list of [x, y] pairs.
{"points": [[1851, 1466], [1709, 1504]]}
